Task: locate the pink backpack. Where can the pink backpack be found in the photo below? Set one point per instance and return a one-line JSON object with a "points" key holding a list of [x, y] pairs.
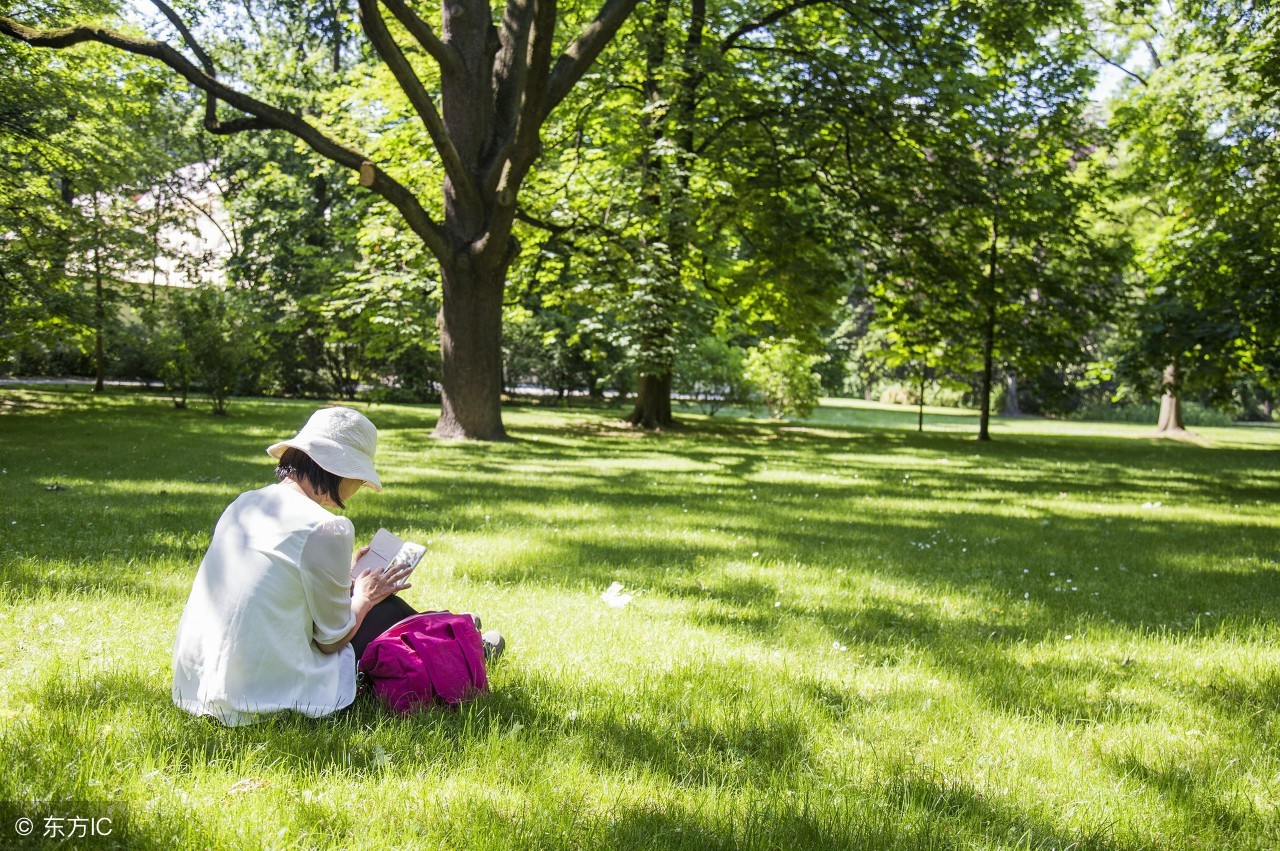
{"points": [[427, 657]]}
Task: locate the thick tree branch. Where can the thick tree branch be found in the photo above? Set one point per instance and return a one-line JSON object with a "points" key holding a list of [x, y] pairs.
{"points": [[583, 50], [510, 80], [236, 125], [421, 31], [376, 29], [211, 122], [531, 114], [180, 25], [516, 156], [265, 115]]}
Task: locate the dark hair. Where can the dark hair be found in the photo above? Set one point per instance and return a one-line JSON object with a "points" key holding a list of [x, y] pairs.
{"points": [[298, 465]]}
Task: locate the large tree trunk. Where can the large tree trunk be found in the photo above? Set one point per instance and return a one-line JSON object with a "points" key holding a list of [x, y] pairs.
{"points": [[1170, 403], [471, 351], [653, 403]]}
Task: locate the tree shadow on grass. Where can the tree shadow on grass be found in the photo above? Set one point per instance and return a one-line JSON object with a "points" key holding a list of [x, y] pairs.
{"points": [[1194, 789], [966, 816], [915, 809], [911, 813]]}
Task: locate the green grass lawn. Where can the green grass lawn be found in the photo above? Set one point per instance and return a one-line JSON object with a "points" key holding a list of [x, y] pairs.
{"points": [[843, 634]]}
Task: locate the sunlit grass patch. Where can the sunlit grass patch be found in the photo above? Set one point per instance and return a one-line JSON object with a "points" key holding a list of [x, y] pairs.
{"points": [[839, 634]]}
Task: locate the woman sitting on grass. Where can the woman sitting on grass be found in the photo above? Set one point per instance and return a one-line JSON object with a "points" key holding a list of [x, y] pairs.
{"points": [[274, 621]]}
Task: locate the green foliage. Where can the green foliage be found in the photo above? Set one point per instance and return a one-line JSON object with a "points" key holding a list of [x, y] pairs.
{"points": [[345, 296], [713, 373], [77, 149], [974, 195], [784, 375], [1194, 414], [1200, 155], [674, 213], [561, 346]]}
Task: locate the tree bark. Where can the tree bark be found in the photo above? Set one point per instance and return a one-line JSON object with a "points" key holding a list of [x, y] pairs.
{"points": [[1170, 421], [471, 351], [988, 346], [99, 350], [653, 403]]}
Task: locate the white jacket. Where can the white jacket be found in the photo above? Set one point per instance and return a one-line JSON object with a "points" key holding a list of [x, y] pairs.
{"points": [[275, 581]]}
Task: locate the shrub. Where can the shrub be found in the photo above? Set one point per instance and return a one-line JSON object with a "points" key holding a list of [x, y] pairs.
{"points": [[205, 337], [899, 395], [1193, 413], [712, 374], [783, 374]]}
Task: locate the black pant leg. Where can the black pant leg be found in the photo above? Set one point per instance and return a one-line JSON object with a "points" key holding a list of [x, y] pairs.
{"points": [[381, 617]]}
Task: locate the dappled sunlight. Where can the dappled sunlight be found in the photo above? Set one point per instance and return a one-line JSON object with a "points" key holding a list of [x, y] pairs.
{"points": [[912, 632]]}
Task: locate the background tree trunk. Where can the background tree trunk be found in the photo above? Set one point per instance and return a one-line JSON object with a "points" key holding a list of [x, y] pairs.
{"points": [[1170, 403], [653, 403], [988, 346], [1011, 406]]}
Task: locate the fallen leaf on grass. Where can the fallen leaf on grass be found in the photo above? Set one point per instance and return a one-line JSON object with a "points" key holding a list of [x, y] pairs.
{"points": [[614, 597]]}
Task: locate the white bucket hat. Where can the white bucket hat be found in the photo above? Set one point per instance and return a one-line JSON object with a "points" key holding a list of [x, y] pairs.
{"points": [[341, 441]]}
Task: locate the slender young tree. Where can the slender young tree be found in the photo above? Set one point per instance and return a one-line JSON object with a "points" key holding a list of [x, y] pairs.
{"points": [[985, 244]]}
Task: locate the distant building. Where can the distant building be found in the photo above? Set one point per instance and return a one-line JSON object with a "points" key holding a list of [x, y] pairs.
{"points": [[193, 245]]}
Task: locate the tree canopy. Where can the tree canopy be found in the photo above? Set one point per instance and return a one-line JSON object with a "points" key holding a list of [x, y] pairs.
{"points": [[692, 197]]}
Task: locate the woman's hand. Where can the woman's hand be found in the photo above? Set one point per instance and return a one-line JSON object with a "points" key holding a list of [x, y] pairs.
{"points": [[374, 586], [370, 588]]}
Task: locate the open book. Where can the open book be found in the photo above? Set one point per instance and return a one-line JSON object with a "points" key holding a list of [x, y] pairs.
{"points": [[387, 549]]}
